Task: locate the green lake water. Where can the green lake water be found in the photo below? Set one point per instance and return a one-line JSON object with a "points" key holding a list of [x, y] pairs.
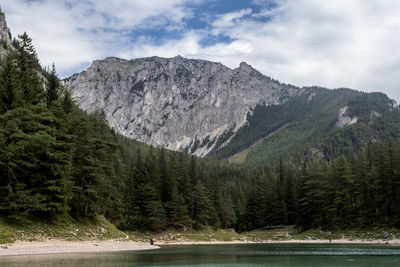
{"points": [[226, 255]]}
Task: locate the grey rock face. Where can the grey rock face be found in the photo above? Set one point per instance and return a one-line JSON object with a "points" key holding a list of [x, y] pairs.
{"points": [[344, 119], [178, 103], [5, 35]]}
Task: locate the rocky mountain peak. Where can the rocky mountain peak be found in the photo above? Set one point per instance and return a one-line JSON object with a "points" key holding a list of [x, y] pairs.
{"points": [[245, 67], [5, 34], [179, 103]]}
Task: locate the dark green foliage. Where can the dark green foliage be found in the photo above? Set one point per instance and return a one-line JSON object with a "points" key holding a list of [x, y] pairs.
{"points": [[154, 213], [10, 86], [356, 190], [52, 86], [57, 160], [228, 214], [201, 204], [28, 69], [67, 102], [305, 126], [54, 159], [35, 162], [264, 208], [177, 210]]}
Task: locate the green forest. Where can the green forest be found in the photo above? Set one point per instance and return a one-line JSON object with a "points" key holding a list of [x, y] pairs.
{"points": [[305, 126], [57, 161]]}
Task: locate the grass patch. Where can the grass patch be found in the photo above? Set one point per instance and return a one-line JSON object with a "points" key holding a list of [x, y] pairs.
{"points": [[60, 228], [278, 233], [275, 233], [66, 228], [174, 236], [369, 234], [6, 233]]}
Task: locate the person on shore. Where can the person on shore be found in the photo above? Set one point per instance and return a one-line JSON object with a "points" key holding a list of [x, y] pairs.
{"points": [[151, 242]]}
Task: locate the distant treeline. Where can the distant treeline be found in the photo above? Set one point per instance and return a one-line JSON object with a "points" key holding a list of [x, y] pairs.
{"points": [[56, 160]]}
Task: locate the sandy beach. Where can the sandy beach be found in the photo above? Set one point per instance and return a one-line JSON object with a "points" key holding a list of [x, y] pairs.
{"points": [[55, 247]]}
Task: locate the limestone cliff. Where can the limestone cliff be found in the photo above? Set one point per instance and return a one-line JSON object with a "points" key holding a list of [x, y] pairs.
{"points": [[5, 35], [181, 104]]}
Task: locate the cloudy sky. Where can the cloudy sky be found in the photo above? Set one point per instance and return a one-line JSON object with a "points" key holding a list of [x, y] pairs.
{"points": [[341, 43]]}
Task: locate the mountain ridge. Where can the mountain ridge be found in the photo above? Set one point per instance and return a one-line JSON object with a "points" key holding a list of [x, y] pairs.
{"points": [[204, 102], [329, 124], [204, 107]]}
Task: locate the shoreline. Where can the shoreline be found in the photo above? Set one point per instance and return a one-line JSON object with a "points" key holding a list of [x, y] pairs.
{"points": [[62, 247], [20, 248], [292, 241]]}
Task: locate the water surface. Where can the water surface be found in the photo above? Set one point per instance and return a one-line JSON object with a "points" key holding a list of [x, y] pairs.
{"points": [[226, 255]]}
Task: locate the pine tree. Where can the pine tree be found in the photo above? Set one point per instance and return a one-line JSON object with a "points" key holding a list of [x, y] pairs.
{"points": [[129, 196], [36, 162], [167, 182], [343, 179], [290, 198], [201, 204], [178, 212], [10, 87], [67, 101], [154, 212], [29, 69], [228, 216], [52, 86]]}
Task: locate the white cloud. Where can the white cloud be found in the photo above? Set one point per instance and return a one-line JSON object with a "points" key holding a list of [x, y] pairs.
{"points": [[229, 19], [337, 43], [72, 33], [306, 42]]}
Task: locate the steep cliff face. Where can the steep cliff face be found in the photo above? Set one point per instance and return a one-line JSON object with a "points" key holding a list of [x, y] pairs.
{"points": [[178, 103], [344, 119], [5, 35]]}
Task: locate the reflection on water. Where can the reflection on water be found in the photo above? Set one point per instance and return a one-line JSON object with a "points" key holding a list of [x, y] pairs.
{"points": [[226, 255]]}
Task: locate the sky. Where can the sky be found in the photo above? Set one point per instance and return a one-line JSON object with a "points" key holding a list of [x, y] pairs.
{"points": [[342, 43]]}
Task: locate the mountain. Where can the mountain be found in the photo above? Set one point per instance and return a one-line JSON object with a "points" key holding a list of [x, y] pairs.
{"points": [[205, 108], [59, 164], [181, 104], [320, 124]]}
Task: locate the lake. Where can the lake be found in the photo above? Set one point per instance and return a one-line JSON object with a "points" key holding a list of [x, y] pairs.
{"points": [[226, 255]]}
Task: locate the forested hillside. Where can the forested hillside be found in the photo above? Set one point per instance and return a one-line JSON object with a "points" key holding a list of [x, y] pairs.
{"points": [[57, 161], [308, 126]]}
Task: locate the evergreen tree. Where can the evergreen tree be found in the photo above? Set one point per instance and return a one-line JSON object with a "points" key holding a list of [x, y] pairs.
{"points": [[155, 216], [67, 101], [201, 204], [10, 87], [178, 212], [290, 198], [167, 182], [52, 86], [57, 160], [35, 162], [28, 69], [228, 215], [342, 203]]}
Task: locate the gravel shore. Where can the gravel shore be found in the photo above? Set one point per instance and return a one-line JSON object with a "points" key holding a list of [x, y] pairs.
{"points": [[54, 247], [57, 247]]}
